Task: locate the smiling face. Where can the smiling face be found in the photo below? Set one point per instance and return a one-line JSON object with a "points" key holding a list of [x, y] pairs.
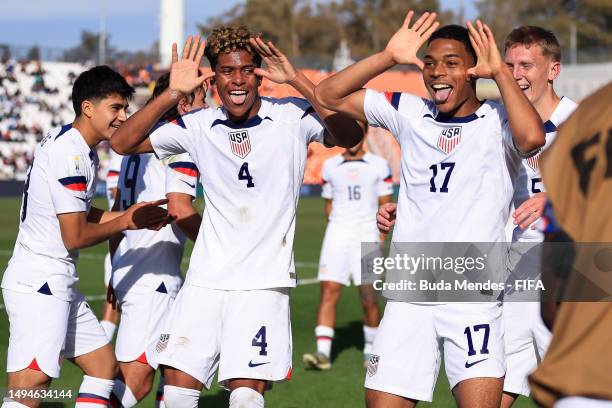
{"points": [[237, 84], [533, 71], [106, 114], [445, 76]]}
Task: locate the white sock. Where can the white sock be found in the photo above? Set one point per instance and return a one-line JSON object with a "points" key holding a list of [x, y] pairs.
{"points": [[109, 329], [123, 395], [245, 397], [9, 403], [159, 396], [178, 397], [325, 336], [368, 338], [94, 392]]}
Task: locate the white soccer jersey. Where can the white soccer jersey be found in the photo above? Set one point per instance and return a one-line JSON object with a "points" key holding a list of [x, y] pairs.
{"points": [[529, 180], [251, 173], [112, 176], [457, 175], [151, 259], [61, 180], [354, 186]]}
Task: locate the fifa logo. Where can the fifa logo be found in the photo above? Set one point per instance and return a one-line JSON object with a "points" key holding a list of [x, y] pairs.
{"points": [[449, 139], [240, 143]]}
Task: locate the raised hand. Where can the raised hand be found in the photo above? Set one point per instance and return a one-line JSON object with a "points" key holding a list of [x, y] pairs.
{"points": [[385, 218], [184, 73], [406, 41], [278, 68], [147, 214], [489, 61]]}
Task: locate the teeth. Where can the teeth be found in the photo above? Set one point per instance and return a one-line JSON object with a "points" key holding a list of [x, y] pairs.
{"points": [[440, 86], [237, 92]]}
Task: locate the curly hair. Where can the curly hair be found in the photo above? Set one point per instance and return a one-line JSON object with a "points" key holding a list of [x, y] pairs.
{"points": [[224, 40]]}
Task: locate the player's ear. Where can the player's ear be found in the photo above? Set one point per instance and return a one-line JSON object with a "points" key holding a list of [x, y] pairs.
{"points": [[87, 108], [554, 70]]}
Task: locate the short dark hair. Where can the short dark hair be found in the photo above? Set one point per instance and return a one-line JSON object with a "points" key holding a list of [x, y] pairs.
{"points": [[457, 33], [98, 83], [529, 35], [224, 40]]}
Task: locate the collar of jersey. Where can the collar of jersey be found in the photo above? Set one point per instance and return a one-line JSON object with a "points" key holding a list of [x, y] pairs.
{"points": [[256, 120], [457, 119]]}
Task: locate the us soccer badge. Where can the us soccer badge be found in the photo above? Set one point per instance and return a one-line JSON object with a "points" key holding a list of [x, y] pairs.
{"points": [[240, 143], [449, 139]]}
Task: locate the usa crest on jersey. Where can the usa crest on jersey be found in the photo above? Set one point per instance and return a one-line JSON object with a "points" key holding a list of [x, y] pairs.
{"points": [[533, 161], [240, 143], [449, 139]]}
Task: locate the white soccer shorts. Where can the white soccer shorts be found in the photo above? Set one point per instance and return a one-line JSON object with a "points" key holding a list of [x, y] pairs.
{"points": [[405, 358], [243, 333], [45, 329], [341, 259], [526, 340], [142, 319]]}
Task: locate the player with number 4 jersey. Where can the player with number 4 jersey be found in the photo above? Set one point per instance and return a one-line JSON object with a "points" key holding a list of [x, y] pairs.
{"points": [[459, 158], [251, 154]]}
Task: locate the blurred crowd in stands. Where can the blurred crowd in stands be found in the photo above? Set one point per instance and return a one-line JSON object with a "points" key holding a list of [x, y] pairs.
{"points": [[35, 98]]}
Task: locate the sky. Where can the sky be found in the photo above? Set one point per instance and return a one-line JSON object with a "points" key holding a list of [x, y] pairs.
{"points": [[132, 24]]}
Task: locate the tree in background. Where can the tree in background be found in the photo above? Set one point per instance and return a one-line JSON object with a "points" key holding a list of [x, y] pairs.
{"points": [[593, 20], [87, 50], [303, 28]]}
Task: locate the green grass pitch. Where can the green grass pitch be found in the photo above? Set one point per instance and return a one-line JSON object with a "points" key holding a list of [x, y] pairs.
{"points": [[342, 386]]}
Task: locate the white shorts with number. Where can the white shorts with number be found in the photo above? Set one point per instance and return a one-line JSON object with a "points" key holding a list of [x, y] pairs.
{"points": [[45, 329], [142, 319], [341, 256], [411, 338], [526, 339], [243, 333]]}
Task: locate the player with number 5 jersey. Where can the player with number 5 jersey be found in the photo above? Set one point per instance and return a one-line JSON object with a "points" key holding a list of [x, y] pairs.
{"points": [[251, 154], [459, 158]]}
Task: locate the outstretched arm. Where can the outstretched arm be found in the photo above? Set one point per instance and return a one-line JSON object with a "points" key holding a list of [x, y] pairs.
{"points": [[340, 130], [132, 136], [525, 123], [343, 92]]}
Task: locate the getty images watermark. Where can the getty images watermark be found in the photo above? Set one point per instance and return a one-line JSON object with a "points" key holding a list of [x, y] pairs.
{"points": [[484, 272]]}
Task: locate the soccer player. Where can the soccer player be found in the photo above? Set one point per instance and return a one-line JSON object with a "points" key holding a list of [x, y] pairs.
{"points": [[232, 312], [147, 275], [575, 372], [110, 315], [459, 159], [355, 183], [533, 54], [49, 318]]}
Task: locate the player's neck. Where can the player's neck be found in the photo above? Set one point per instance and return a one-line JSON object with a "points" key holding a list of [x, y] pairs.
{"points": [[465, 108], [87, 132], [547, 104], [357, 156], [251, 113]]}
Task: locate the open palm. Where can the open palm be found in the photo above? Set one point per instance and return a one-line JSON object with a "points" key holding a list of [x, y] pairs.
{"points": [[185, 73], [278, 68], [406, 41], [489, 61]]}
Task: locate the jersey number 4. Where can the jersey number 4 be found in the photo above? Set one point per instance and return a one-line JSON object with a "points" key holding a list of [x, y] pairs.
{"points": [[448, 167], [243, 174]]}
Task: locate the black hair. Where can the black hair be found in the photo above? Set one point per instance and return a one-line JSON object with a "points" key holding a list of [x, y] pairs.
{"points": [[162, 83], [457, 33], [98, 83], [224, 40]]}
